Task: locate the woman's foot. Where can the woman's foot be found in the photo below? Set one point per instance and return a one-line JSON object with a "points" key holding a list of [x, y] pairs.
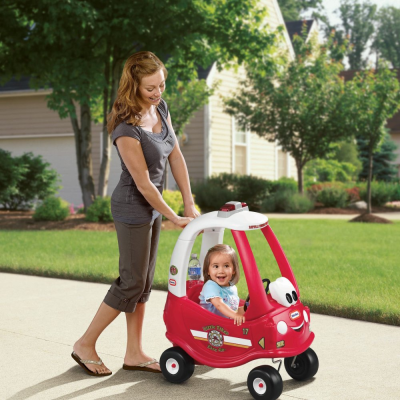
{"points": [[136, 359], [85, 352]]}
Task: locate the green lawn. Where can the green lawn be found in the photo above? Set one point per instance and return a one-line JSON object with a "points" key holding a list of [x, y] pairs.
{"points": [[342, 269]]}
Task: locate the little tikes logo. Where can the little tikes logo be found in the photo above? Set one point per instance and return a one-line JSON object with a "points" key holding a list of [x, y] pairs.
{"points": [[172, 282], [294, 315]]}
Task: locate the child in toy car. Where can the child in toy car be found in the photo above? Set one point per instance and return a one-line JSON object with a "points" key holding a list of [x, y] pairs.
{"points": [[219, 294]]}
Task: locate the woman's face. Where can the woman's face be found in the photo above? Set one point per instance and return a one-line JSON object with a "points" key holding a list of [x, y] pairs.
{"points": [[151, 88]]}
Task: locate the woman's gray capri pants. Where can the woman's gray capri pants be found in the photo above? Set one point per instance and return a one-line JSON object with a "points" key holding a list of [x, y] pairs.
{"points": [[137, 261]]}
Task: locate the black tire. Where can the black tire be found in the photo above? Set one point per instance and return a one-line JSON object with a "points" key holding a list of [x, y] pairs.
{"points": [[176, 365], [264, 382], [305, 366]]}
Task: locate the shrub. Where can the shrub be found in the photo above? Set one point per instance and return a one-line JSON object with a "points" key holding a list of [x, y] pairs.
{"points": [[99, 210], [52, 209], [174, 199], [333, 197], [251, 190], [353, 194], [381, 192], [314, 189], [329, 171], [210, 196], [298, 203], [283, 184], [287, 201], [24, 180]]}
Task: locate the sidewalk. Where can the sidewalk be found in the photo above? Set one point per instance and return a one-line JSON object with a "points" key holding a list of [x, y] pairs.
{"points": [[42, 317]]}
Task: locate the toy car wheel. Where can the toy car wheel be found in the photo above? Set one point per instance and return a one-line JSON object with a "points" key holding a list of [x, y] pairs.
{"points": [[304, 367], [176, 365], [264, 382]]}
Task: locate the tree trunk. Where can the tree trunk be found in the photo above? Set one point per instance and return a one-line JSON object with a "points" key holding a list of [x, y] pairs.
{"points": [[369, 203], [107, 106], [299, 176], [83, 146]]}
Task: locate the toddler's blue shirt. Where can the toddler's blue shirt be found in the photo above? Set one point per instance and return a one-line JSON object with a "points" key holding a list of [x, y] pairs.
{"points": [[228, 294]]}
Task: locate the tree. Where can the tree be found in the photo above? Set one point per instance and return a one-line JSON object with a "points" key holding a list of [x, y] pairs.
{"points": [[387, 41], [79, 48], [371, 98], [292, 9], [383, 168], [298, 103], [357, 26]]}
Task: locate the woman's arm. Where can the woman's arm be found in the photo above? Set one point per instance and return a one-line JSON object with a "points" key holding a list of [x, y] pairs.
{"points": [[132, 154], [237, 316], [181, 176]]}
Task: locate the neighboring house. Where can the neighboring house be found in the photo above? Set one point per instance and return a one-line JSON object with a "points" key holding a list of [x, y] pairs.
{"points": [[296, 28], [213, 143], [393, 124]]}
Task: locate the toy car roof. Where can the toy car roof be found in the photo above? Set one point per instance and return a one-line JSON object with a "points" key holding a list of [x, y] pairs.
{"points": [[233, 215]]}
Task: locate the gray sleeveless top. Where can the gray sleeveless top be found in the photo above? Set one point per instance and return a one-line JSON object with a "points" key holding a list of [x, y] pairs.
{"points": [[127, 203]]}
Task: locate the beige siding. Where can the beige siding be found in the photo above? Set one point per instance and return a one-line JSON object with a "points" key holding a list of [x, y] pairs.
{"points": [[193, 150], [29, 115], [263, 157]]}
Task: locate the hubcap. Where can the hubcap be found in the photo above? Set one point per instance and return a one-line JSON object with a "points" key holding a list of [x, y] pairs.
{"points": [[172, 366], [259, 386]]}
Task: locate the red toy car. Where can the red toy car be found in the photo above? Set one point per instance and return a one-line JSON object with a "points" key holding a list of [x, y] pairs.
{"points": [[277, 323]]}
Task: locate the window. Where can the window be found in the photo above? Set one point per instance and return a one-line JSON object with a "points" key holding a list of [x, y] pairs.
{"points": [[240, 150]]}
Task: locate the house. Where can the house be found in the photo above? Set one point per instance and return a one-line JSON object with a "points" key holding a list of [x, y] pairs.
{"points": [[393, 124], [213, 143]]}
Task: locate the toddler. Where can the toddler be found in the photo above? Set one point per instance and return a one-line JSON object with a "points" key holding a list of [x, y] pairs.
{"points": [[219, 293]]}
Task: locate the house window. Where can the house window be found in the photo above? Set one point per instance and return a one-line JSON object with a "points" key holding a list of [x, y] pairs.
{"points": [[240, 150]]}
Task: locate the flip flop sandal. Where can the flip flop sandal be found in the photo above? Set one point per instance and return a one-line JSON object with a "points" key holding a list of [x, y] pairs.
{"points": [[87, 370], [142, 367]]}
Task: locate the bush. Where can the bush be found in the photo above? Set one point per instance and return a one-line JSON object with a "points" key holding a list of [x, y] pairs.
{"points": [[283, 184], [381, 192], [287, 201], [213, 193], [52, 209], [298, 203], [329, 171], [99, 210], [24, 180], [333, 197], [174, 199]]}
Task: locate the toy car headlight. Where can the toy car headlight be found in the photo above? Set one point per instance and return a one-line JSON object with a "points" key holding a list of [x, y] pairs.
{"points": [[283, 292]]}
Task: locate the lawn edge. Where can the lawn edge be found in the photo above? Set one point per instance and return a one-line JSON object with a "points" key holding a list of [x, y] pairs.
{"points": [[375, 316]]}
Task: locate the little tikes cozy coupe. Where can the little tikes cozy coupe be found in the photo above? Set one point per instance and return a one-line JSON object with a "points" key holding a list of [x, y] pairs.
{"points": [[277, 323]]}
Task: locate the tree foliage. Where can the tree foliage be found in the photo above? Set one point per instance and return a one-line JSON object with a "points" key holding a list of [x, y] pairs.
{"points": [[298, 103], [357, 27], [371, 98], [78, 47], [383, 168], [387, 41]]}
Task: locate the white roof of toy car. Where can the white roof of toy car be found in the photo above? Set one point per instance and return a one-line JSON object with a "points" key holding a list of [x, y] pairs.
{"points": [[240, 219]]}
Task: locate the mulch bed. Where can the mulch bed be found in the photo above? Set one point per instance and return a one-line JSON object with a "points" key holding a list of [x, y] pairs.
{"points": [[22, 220]]}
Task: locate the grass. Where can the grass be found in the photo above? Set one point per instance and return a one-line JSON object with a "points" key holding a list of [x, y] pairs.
{"points": [[342, 269]]}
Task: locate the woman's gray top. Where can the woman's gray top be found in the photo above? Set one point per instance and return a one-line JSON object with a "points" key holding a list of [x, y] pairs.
{"points": [[127, 203]]}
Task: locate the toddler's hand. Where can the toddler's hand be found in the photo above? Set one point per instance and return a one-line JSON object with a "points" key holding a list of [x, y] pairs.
{"points": [[239, 320]]}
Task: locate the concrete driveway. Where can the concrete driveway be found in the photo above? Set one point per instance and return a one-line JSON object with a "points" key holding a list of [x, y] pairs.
{"points": [[42, 317]]}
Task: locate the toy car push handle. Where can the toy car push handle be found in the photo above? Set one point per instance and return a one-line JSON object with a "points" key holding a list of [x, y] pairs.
{"points": [[261, 305], [280, 257]]}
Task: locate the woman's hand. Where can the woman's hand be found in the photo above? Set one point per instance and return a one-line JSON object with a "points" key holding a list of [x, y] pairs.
{"points": [[190, 211], [181, 221]]}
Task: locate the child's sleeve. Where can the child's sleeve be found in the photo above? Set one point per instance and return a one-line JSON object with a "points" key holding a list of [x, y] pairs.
{"points": [[211, 290]]}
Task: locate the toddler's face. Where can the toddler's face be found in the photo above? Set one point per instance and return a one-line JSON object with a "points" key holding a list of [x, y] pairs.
{"points": [[221, 268]]}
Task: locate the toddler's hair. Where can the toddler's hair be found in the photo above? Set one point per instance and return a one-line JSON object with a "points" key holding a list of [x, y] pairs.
{"points": [[222, 248]]}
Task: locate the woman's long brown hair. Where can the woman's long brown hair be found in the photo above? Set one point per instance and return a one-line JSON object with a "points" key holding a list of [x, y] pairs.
{"points": [[126, 106]]}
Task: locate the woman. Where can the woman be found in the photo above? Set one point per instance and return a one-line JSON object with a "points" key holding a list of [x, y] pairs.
{"points": [[141, 130]]}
